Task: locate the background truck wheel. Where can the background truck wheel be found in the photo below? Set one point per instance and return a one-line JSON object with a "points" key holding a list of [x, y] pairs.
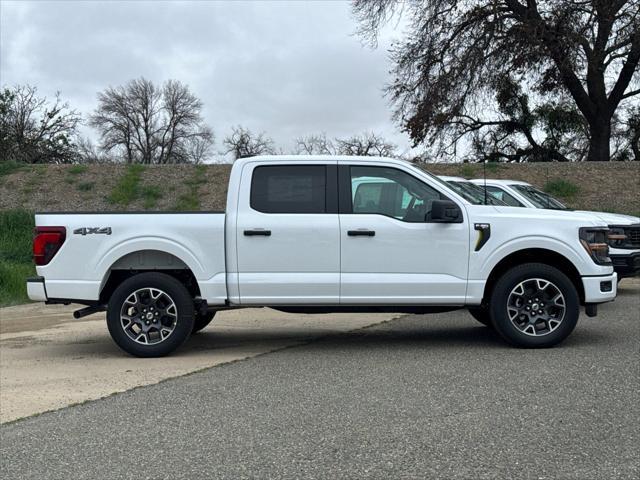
{"points": [[202, 321], [534, 305], [150, 315], [482, 315]]}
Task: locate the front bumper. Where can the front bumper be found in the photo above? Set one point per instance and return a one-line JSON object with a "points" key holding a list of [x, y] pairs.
{"points": [[626, 265], [601, 288], [36, 289]]}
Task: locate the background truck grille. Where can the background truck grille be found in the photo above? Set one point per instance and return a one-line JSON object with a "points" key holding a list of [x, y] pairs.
{"points": [[633, 235]]}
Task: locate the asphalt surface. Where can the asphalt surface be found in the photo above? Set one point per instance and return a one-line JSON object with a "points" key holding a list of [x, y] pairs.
{"points": [[420, 397]]}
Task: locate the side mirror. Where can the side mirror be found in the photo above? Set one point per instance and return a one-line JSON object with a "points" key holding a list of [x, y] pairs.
{"points": [[445, 211]]}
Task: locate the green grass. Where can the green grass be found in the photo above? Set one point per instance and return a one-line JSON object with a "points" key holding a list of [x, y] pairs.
{"points": [[492, 167], [467, 170], [16, 233], [9, 167], [86, 186], [150, 195], [190, 201], [128, 187], [76, 169], [562, 188]]}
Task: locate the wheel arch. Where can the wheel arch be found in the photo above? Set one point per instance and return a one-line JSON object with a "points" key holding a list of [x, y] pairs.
{"points": [[534, 255], [147, 260]]}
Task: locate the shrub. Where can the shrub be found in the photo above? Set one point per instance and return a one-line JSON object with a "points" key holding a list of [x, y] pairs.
{"points": [[562, 188], [77, 169], [86, 186]]}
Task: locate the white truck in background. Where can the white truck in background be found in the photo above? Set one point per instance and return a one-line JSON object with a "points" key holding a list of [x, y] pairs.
{"points": [[624, 230], [326, 233]]}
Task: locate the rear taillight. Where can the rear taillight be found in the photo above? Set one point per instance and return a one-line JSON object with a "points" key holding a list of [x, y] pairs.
{"points": [[46, 243]]}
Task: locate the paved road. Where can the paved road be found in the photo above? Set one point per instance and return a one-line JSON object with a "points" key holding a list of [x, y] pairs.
{"points": [[418, 397]]}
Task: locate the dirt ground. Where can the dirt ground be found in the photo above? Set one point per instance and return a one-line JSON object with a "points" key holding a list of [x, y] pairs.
{"points": [[48, 360]]}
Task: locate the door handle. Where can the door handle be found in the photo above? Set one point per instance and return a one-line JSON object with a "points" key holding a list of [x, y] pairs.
{"points": [[257, 233], [361, 233]]}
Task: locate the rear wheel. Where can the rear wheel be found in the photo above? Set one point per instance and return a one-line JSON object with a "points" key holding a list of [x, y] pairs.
{"points": [[482, 315], [150, 315], [201, 321], [534, 305]]}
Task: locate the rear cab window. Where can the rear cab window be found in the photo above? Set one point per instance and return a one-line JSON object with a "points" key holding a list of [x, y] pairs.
{"points": [[289, 189]]}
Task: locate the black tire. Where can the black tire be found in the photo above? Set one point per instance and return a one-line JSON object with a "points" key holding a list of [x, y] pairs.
{"points": [[549, 329], [172, 310], [201, 321], [482, 315]]}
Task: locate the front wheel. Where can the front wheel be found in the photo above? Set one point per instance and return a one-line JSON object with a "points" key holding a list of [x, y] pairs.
{"points": [[150, 315], [534, 305]]}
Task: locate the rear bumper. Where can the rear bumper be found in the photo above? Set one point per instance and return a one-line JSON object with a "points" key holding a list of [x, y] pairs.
{"points": [[601, 288], [36, 289], [626, 265]]}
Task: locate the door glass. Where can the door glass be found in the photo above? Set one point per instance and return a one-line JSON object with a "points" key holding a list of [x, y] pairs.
{"points": [[390, 192], [289, 189]]}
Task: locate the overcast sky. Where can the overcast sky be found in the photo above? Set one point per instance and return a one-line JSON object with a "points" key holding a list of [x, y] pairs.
{"points": [[286, 68]]}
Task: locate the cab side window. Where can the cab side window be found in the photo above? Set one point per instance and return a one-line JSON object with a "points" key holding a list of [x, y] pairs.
{"points": [[390, 192], [289, 189]]}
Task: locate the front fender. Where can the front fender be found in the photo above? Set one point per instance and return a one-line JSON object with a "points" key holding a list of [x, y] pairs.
{"points": [[482, 262]]}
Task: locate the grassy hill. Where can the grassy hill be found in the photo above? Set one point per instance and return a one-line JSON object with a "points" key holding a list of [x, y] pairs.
{"points": [[590, 186]]}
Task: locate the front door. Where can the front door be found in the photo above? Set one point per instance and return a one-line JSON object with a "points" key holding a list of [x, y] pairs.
{"points": [[288, 236], [390, 252]]}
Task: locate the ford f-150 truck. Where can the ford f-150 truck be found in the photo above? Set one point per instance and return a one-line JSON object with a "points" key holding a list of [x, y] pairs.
{"points": [[320, 234], [624, 230]]}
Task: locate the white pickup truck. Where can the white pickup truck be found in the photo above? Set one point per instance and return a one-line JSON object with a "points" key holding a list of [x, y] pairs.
{"points": [[325, 233], [624, 230]]}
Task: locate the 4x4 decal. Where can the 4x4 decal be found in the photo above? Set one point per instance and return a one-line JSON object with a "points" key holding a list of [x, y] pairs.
{"points": [[92, 230]]}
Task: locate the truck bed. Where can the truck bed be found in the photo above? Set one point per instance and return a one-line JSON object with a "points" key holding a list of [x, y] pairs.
{"points": [[97, 243]]}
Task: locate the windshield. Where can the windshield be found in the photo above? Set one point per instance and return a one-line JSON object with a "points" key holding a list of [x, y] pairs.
{"points": [[538, 198], [473, 193]]}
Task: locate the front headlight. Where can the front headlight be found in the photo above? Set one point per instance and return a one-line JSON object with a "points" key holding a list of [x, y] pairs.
{"points": [[596, 242], [617, 237]]}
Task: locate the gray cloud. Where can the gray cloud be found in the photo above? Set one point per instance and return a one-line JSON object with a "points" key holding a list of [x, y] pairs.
{"points": [[287, 68]]}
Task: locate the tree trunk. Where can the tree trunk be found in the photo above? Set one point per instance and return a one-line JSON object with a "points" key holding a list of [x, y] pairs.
{"points": [[600, 140]]}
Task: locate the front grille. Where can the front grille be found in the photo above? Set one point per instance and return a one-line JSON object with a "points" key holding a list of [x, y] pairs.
{"points": [[633, 236]]}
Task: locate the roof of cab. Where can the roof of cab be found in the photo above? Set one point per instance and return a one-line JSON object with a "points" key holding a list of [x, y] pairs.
{"points": [[495, 181], [448, 178], [321, 158]]}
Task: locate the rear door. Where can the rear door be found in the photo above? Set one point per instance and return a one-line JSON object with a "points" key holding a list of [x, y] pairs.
{"points": [[390, 252], [288, 235]]}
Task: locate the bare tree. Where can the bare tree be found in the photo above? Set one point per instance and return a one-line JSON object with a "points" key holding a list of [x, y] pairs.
{"points": [[34, 130], [243, 143], [449, 67], [314, 144], [367, 144], [150, 124]]}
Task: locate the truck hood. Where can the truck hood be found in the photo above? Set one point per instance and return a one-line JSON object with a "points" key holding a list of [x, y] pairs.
{"points": [[613, 218], [587, 219]]}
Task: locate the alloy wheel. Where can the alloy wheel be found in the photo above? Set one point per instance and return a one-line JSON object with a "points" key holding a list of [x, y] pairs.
{"points": [[148, 316], [536, 307]]}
